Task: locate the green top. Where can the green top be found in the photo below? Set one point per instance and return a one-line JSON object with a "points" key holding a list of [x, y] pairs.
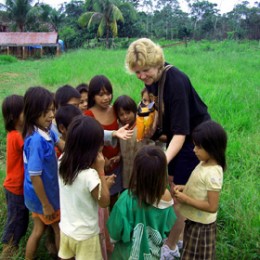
{"points": [[139, 231]]}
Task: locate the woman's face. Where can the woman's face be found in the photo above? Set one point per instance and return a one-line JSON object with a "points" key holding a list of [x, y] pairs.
{"points": [[147, 75]]}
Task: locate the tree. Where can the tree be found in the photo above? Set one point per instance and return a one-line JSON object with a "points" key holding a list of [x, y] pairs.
{"points": [[104, 13], [128, 28], [203, 14], [17, 11]]}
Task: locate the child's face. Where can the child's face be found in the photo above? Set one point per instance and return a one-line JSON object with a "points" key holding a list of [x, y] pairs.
{"points": [[83, 105], [45, 120], [103, 99], [201, 153], [146, 98], [126, 117], [74, 101]]}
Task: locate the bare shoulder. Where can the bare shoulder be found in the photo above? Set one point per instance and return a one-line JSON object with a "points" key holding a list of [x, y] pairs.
{"points": [[166, 196]]}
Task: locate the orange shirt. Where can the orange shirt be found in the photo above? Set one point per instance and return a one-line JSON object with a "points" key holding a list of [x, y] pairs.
{"points": [[14, 163]]}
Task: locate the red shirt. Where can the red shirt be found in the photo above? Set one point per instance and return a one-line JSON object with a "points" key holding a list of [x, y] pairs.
{"points": [[14, 163], [108, 151]]}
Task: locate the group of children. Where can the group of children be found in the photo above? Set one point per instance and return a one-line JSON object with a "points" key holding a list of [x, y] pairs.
{"points": [[107, 196]]}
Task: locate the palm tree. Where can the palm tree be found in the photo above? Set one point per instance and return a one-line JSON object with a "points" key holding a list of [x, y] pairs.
{"points": [[18, 10], [105, 13]]}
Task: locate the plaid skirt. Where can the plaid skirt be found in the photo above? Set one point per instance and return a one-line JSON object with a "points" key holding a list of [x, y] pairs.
{"points": [[199, 241]]}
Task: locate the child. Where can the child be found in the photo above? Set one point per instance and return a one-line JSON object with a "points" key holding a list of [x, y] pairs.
{"points": [[17, 214], [143, 216], [41, 189], [64, 116], [67, 95], [99, 100], [82, 188], [83, 90], [200, 196], [146, 123], [125, 109]]}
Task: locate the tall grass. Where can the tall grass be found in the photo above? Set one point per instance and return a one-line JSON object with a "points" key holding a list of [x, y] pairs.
{"points": [[227, 77]]}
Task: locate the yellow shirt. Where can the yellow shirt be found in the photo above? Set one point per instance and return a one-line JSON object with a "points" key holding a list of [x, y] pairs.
{"points": [[202, 180]]}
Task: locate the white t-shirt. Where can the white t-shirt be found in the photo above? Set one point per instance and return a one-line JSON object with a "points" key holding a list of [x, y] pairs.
{"points": [[79, 211]]}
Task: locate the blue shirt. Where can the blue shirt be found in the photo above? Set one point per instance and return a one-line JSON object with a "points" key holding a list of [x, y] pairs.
{"points": [[40, 160]]}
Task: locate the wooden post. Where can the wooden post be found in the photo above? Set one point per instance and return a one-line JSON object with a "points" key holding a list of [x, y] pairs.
{"points": [[23, 53], [41, 51], [7, 50], [58, 50]]}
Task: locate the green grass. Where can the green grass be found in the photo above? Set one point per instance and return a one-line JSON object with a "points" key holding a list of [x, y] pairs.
{"points": [[227, 77]]}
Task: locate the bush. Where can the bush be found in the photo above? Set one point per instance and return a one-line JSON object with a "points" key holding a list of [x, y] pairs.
{"points": [[6, 59]]}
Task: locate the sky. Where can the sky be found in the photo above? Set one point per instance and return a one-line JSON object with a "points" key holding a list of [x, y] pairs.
{"points": [[223, 5]]}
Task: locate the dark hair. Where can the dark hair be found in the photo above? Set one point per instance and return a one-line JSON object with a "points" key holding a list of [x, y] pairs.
{"points": [[83, 87], [65, 114], [212, 137], [125, 102], [143, 91], [64, 94], [149, 177], [12, 107], [96, 84], [37, 100], [84, 138]]}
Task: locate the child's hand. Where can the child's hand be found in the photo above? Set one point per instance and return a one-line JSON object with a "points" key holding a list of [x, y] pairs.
{"points": [[115, 159], [123, 132], [110, 162], [179, 187], [48, 211], [110, 180], [99, 163], [180, 196]]}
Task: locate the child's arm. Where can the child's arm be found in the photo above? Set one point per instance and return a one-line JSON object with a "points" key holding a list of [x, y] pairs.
{"points": [[60, 144], [210, 205], [47, 208], [103, 197]]}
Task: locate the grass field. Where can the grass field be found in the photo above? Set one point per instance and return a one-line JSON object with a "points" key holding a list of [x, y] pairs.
{"points": [[227, 77]]}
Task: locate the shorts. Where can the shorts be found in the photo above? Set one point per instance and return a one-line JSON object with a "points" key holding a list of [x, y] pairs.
{"points": [[46, 221], [81, 250]]}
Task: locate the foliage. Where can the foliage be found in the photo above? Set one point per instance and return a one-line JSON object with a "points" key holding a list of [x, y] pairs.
{"points": [[6, 59], [104, 13], [79, 21]]}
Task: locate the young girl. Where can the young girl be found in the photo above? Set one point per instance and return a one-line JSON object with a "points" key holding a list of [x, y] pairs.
{"points": [[199, 198], [143, 216], [17, 214], [82, 188], [99, 99], [125, 109], [41, 189]]}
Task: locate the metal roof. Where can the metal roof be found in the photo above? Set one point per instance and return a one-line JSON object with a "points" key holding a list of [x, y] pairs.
{"points": [[28, 38]]}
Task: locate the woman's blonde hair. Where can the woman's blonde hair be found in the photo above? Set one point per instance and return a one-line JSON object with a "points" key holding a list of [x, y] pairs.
{"points": [[144, 53]]}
